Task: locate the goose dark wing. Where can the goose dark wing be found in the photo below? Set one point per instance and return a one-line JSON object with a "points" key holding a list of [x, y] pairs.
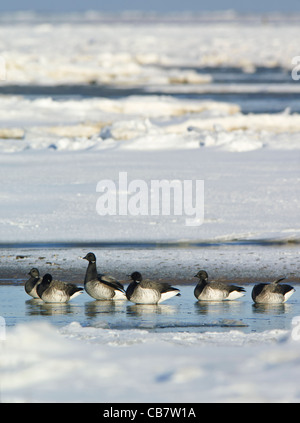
{"points": [[162, 287], [72, 288], [283, 289], [111, 281]]}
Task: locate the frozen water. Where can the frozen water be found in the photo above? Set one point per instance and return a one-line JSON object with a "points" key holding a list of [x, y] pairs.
{"points": [[42, 362], [180, 314], [211, 99]]}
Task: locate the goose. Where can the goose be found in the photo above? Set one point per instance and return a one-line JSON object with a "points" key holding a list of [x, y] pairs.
{"points": [[141, 291], [215, 291], [101, 287], [54, 291], [272, 293], [32, 283]]}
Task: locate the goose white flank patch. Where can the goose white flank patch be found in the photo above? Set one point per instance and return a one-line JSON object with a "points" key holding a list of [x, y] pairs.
{"points": [[54, 291], [141, 291], [99, 286], [32, 283], [272, 293], [216, 291]]}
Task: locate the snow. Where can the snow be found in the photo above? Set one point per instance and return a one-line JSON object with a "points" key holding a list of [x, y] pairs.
{"points": [[112, 52], [241, 200], [75, 364], [55, 149], [63, 148], [154, 122]]}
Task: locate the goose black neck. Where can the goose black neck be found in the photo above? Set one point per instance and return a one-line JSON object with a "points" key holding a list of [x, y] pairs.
{"points": [[202, 282], [41, 288], [130, 289], [91, 272], [32, 281]]}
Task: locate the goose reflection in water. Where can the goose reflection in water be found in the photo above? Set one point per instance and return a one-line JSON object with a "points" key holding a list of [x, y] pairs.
{"points": [[217, 307], [148, 309], [271, 308], [93, 308], [153, 316], [36, 307]]}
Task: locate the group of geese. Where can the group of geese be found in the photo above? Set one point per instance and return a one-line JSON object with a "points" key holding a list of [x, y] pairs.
{"points": [[140, 291]]}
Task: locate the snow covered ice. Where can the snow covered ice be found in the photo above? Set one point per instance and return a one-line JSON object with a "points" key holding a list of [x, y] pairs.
{"points": [[210, 99], [40, 363], [73, 144], [141, 51]]}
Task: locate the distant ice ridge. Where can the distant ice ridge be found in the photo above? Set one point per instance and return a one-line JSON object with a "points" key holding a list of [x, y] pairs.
{"points": [[141, 54], [40, 363], [140, 123]]}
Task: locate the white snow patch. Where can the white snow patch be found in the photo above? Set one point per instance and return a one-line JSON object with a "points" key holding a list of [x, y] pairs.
{"points": [[41, 363], [140, 123]]}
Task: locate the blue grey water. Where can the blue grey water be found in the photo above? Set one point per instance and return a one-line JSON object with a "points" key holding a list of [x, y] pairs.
{"points": [[182, 313], [259, 101]]}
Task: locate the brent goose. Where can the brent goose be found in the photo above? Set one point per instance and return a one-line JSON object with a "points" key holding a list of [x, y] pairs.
{"points": [[54, 291], [32, 283], [272, 293], [141, 291], [101, 287], [215, 291]]}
